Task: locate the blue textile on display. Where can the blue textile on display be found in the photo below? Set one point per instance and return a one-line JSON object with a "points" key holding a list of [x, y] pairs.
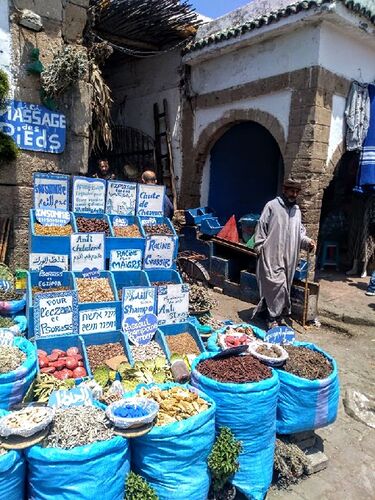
{"points": [[12, 473], [249, 410], [173, 457], [305, 405], [366, 173]]}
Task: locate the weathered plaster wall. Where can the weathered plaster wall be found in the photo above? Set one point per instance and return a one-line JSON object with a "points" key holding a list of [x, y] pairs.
{"points": [[4, 36], [63, 22], [138, 84]]}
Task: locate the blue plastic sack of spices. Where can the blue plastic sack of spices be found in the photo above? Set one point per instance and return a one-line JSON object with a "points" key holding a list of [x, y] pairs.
{"points": [[12, 306], [95, 471], [304, 404], [173, 457], [249, 410], [14, 385], [12, 473], [212, 345]]}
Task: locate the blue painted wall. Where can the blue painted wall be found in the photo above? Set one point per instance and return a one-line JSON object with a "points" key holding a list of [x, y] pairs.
{"points": [[246, 168]]}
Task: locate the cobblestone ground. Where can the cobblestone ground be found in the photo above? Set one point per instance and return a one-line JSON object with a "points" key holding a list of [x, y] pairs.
{"points": [[348, 444]]}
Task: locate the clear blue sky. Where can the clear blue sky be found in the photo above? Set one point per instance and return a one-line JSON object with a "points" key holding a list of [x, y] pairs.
{"points": [[216, 8]]}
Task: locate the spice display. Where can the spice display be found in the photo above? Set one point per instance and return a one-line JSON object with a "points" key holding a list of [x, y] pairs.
{"points": [[6, 322], [62, 365], [234, 337], [37, 289], [237, 369], [129, 411], [146, 372], [94, 290], [78, 426], [151, 350], [11, 358], [41, 230], [10, 295], [182, 343], [306, 363], [162, 229], [200, 299], [208, 320], [271, 351], [175, 404], [99, 354], [26, 421], [45, 384], [162, 283], [131, 231], [87, 225]]}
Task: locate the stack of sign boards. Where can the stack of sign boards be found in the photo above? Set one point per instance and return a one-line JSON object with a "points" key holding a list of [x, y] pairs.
{"points": [[57, 319]]}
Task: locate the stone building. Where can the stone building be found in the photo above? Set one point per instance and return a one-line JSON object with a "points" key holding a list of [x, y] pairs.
{"points": [[48, 26], [258, 95]]}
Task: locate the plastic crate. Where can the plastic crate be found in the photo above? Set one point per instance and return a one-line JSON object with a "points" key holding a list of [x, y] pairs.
{"points": [[118, 243], [247, 224], [149, 221], [175, 329], [130, 279], [96, 216], [195, 216], [164, 275], [106, 338], [32, 280], [63, 343], [210, 226], [59, 245]]}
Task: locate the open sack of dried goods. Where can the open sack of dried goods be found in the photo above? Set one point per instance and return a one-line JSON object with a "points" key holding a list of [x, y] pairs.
{"points": [[172, 457], [12, 473], [80, 458], [309, 390], [18, 364], [233, 336], [245, 392], [16, 324]]}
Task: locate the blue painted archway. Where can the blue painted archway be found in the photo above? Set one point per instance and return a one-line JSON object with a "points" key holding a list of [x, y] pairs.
{"points": [[246, 170]]}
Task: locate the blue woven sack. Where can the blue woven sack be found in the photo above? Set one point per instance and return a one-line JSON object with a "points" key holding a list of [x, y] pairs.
{"points": [[212, 344], [173, 458], [94, 471], [305, 405], [14, 385], [12, 474], [249, 410]]}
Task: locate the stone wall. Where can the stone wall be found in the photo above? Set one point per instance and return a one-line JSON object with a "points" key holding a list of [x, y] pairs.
{"points": [[63, 22]]}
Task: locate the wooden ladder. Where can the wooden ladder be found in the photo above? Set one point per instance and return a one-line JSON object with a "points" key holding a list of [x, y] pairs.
{"points": [[163, 151], [5, 224]]}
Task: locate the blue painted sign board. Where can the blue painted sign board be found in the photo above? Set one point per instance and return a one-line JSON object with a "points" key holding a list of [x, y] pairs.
{"points": [[34, 127]]}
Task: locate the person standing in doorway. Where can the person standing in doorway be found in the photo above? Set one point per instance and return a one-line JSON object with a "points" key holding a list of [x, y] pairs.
{"points": [[279, 237], [149, 177], [103, 170]]}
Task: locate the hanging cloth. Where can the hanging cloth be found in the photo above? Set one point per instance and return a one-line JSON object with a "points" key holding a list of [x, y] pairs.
{"points": [[366, 172], [357, 114]]}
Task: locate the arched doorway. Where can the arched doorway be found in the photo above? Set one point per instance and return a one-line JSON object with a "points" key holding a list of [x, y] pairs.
{"points": [[245, 171]]}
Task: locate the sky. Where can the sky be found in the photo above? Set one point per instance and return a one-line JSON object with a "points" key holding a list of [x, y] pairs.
{"points": [[216, 8]]}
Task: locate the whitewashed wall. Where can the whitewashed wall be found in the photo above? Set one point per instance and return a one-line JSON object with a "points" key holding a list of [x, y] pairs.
{"points": [[5, 51]]}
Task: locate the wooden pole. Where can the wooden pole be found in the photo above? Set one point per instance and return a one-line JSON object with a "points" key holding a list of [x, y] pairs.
{"points": [[306, 294]]}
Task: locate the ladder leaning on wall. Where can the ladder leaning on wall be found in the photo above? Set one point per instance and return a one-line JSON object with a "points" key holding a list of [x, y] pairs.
{"points": [[163, 151]]}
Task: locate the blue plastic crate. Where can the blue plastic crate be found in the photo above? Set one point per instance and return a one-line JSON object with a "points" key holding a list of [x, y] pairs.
{"points": [[59, 245], [97, 216], [175, 329], [130, 279], [210, 226], [63, 343], [195, 216], [159, 338], [164, 275], [118, 243], [106, 338], [32, 280], [157, 220], [302, 270]]}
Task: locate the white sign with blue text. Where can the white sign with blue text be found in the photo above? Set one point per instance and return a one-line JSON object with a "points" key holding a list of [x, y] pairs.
{"points": [[139, 321], [33, 127], [121, 198], [52, 217], [88, 195], [128, 259], [159, 252], [78, 396], [87, 252], [100, 320], [39, 260], [150, 200], [51, 191], [56, 313], [173, 304]]}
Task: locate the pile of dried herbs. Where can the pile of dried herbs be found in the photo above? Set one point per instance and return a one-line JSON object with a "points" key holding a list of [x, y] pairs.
{"points": [[290, 463], [200, 299], [11, 358]]}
